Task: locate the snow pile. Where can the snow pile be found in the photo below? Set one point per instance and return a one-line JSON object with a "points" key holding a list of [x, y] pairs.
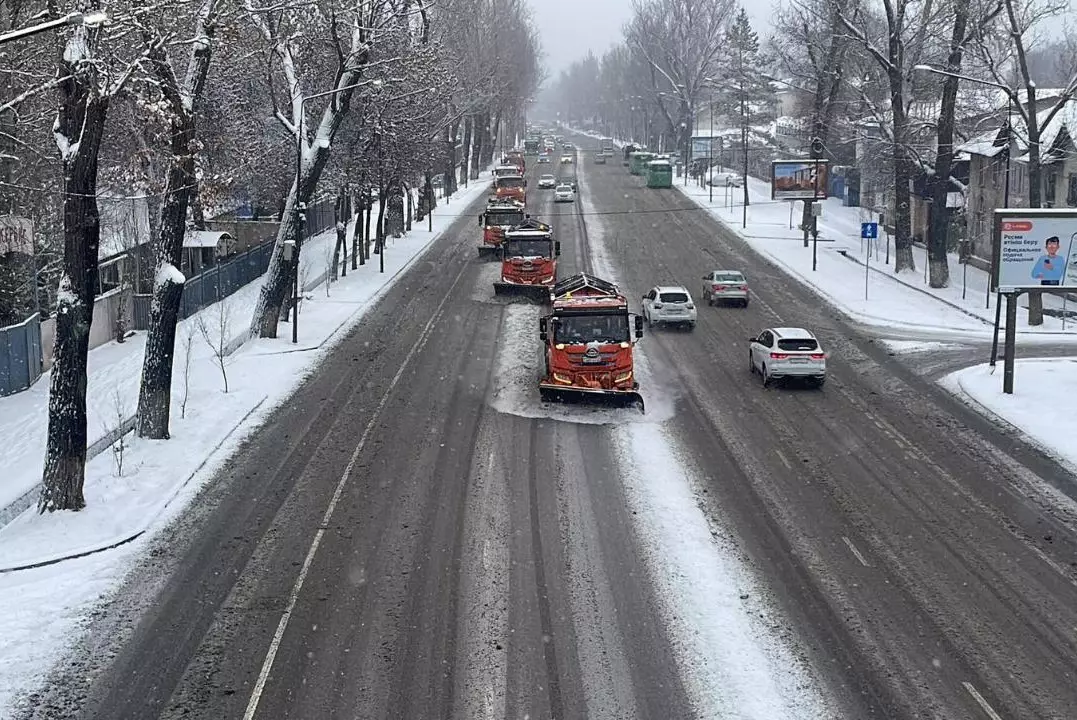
{"points": [[733, 661], [912, 347], [1038, 406]]}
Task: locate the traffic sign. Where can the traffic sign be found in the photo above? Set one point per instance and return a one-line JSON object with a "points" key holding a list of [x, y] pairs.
{"points": [[869, 230]]}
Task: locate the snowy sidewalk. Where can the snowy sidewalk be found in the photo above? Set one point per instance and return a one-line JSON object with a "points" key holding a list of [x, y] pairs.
{"points": [[904, 302], [1037, 407], [112, 394]]}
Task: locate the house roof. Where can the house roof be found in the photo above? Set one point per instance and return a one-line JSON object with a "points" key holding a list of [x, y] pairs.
{"points": [[992, 142], [204, 238]]}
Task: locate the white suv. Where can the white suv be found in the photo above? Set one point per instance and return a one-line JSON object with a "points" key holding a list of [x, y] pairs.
{"points": [[669, 305], [786, 352]]}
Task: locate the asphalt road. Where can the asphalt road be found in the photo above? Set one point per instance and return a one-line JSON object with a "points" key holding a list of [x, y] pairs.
{"points": [[913, 543], [481, 564], [476, 564]]}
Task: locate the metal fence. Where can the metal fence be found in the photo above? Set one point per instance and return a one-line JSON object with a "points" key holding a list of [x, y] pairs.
{"points": [[20, 355], [212, 285]]}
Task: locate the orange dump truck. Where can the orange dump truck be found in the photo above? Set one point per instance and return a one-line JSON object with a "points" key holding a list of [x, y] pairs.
{"points": [[528, 261], [500, 215], [589, 338]]}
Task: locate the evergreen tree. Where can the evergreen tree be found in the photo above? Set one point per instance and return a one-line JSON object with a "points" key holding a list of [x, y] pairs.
{"points": [[746, 95]]}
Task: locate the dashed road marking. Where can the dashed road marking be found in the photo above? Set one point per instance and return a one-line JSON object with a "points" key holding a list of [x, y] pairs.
{"points": [[783, 458], [855, 551], [293, 596], [980, 700]]}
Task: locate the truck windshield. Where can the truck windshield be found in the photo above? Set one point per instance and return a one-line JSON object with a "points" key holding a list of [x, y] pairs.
{"points": [[578, 329], [510, 217], [528, 248], [510, 182]]}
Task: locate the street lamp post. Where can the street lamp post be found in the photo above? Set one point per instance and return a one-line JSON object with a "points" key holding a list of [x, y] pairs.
{"points": [[299, 207], [89, 19]]}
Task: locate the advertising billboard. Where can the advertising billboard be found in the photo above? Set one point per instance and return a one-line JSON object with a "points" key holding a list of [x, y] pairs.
{"points": [[1035, 249], [798, 180]]}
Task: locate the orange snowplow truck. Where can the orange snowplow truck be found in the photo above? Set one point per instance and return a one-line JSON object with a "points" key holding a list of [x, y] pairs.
{"points": [[589, 338], [511, 187], [515, 157], [528, 261], [500, 215]]}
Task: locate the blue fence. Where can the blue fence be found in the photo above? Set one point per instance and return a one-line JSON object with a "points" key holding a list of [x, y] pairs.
{"points": [[212, 285], [20, 355]]}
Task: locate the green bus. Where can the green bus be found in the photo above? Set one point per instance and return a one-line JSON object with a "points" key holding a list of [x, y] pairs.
{"points": [[638, 162], [659, 174]]}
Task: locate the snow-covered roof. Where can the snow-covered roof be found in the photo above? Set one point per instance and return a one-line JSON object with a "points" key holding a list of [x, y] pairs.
{"points": [[205, 238], [993, 141]]}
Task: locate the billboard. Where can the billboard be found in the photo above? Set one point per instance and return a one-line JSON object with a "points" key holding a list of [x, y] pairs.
{"points": [[16, 235], [704, 147], [798, 180], [1035, 249]]}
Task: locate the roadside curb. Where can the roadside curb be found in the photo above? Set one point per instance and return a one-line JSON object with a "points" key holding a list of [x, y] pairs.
{"points": [[115, 542]]}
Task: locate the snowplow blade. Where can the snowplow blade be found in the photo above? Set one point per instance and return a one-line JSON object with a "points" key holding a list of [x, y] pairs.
{"points": [[607, 398], [536, 293], [487, 252]]}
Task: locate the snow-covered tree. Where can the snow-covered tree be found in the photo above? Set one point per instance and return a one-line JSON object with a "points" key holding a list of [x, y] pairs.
{"points": [[178, 94], [745, 92], [91, 71], [682, 42]]}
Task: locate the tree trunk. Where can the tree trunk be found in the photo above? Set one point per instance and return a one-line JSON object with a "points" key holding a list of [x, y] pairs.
{"points": [[366, 233], [465, 165], [271, 299], [903, 257], [81, 119], [379, 226], [341, 213], [938, 235], [155, 390], [410, 210], [449, 179], [497, 138]]}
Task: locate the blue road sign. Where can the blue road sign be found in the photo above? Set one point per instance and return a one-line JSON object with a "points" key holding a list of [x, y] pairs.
{"points": [[869, 231]]}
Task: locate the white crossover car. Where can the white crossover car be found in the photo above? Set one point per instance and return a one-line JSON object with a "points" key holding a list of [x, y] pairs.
{"points": [[547, 182], [564, 193], [669, 305], [784, 352]]}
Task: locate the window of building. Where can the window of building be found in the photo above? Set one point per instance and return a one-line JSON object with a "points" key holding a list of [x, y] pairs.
{"points": [[1071, 190]]}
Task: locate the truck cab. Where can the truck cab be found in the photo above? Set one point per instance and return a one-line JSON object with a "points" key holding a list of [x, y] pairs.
{"points": [[589, 339], [528, 260], [500, 215]]}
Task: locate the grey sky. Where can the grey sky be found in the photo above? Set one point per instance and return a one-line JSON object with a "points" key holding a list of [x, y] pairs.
{"points": [[569, 28]]}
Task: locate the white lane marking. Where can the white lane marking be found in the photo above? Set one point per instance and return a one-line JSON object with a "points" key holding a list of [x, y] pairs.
{"points": [[980, 699], [783, 458], [853, 549], [293, 597]]}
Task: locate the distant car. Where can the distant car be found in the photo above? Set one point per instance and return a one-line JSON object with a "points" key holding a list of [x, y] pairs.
{"points": [[669, 305], [567, 146], [570, 181], [547, 182], [600, 159], [787, 352], [566, 159], [544, 159], [564, 193], [725, 286], [723, 178]]}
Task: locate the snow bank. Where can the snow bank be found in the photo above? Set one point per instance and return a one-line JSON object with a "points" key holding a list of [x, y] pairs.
{"points": [[733, 660], [1038, 406]]}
